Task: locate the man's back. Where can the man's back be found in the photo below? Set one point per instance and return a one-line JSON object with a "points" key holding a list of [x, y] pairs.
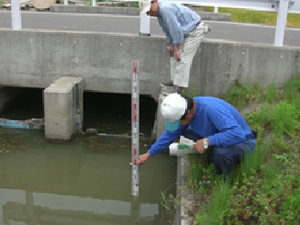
{"points": [[220, 121]]}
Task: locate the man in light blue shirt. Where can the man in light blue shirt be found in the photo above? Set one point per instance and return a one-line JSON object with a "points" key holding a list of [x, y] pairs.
{"points": [[208, 121], [184, 33]]}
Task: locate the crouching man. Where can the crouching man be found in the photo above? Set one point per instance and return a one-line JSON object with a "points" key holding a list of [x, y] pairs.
{"points": [[208, 121]]}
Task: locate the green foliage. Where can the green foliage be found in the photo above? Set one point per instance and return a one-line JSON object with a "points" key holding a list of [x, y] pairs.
{"points": [[253, 161], [215, 214], [194, 92], [165, 202], [271, 93], [258, 17], [265, 188], [241, 94], [238, 94]]}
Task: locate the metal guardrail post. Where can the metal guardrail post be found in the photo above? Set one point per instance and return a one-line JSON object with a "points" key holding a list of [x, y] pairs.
{"points": [[281, 22], [16, 15], [144, 25]]}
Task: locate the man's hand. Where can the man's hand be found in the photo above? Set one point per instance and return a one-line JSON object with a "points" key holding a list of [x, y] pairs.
{"points": [[199, 146], [178, 54], [143, 158], [171, 50]]}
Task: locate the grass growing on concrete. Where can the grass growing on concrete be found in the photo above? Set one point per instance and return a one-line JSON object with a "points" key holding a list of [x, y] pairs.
{"points": [[258, 17], [265, 188]]}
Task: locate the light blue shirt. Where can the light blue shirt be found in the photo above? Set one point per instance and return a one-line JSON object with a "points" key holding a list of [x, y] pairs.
{"points": [[176, 21]]}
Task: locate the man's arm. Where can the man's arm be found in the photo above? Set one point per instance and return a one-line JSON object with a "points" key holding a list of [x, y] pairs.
{"points": [[162, 143], [230, 131], [171, 27]]}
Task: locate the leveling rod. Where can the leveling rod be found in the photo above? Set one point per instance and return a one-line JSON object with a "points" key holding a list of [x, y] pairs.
{"points": [[135, 131]]}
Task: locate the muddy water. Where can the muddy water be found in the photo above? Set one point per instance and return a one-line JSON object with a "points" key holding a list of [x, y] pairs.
{"points": [[85, 181]]}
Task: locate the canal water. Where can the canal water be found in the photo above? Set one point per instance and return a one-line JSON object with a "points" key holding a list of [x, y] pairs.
{"points": [[86, 181]]}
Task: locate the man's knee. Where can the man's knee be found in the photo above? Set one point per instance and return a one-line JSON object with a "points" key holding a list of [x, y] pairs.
{"points": [[223, 159]]}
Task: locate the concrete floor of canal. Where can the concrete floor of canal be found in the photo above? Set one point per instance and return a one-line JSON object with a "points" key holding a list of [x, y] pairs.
{"points": [[86, 181]]}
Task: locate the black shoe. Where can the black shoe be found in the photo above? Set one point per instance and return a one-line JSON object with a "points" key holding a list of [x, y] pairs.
{"points": [[169, 84], [254, 132]]}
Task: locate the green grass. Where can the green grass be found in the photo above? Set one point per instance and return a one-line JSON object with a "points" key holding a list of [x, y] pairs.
{"points": [[258, 17], [265, 188]]}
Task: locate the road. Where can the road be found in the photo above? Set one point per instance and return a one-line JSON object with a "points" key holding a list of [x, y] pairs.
{"points": [[239, 32]]}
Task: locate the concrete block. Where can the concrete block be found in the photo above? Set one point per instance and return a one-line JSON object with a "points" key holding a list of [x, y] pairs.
{"points": [[160, 123], [60, 108]]}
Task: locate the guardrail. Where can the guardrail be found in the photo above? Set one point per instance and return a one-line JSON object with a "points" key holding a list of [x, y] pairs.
{"points": [[282, 7]]}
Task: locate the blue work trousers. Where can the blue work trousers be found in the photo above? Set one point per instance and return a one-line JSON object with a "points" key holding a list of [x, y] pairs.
{"points": [[224, 158]]}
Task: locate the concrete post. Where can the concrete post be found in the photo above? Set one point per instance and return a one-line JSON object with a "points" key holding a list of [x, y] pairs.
{"points": [[160, 123], [60, 108]]}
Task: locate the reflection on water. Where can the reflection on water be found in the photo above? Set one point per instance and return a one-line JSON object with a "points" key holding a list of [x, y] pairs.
{"points": [[86, 181]]}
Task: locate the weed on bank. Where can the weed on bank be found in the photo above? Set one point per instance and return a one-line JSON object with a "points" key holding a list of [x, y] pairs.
{"points": [[257, 17], [265, 188]]}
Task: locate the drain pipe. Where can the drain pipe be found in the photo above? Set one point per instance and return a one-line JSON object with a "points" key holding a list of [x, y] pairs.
{"points": [[22, 124]]}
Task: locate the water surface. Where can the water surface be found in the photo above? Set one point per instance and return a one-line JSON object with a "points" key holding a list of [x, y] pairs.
{"points": [[86, 181]]}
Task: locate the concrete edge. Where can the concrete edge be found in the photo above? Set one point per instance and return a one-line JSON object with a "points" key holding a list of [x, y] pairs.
{"points": [[182, 216]]}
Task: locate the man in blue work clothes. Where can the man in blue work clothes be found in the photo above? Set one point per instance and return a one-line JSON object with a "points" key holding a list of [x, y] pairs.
{"points": [[184, 32], [209, 121]]}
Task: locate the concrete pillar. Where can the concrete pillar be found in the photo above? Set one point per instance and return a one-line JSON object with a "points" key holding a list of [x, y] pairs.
{"points": [[62, 114], [160, 121]]}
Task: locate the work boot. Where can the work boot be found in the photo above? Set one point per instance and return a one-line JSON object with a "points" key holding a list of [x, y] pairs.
{"points": [[178, 90], [166, 89], [169, 84]]}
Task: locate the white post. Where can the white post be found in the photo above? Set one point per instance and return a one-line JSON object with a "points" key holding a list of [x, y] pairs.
{"points": [[65, 2], [216, 10], [281, 22], [16, 15], [145, 25], [93, 2], [135, 131]]}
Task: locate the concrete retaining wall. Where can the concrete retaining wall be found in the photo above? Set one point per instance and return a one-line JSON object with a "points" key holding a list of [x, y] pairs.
{"points": [[104, 61]]}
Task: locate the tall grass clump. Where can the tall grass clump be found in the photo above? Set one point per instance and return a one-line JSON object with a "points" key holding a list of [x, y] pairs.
{"points": [[240, 94]]}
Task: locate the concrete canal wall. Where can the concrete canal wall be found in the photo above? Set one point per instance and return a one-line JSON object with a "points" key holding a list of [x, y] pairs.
{"points": [[103, 61]]}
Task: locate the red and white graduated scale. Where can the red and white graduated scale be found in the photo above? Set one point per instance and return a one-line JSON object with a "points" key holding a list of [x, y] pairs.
{"points": [[135, 131]]}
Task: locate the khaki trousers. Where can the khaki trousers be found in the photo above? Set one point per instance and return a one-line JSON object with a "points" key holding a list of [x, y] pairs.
{"points": [[180, 71]]}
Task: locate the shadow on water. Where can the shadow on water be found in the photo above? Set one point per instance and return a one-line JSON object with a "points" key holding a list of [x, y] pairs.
{"points": [[86, 181]]}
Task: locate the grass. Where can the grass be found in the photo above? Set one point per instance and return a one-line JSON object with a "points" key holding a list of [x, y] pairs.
{"points": [[265, 188], [258, 17]]}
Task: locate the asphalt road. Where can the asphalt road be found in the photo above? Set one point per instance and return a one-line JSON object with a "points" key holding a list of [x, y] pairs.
{"points": [[239, 32]]}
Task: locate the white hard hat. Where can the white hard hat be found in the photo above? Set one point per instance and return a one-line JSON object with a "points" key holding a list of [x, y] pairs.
{"points": [[173, 108]]}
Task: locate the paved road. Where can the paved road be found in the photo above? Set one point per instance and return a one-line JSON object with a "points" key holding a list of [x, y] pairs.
{"points": [[130, 24]]}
